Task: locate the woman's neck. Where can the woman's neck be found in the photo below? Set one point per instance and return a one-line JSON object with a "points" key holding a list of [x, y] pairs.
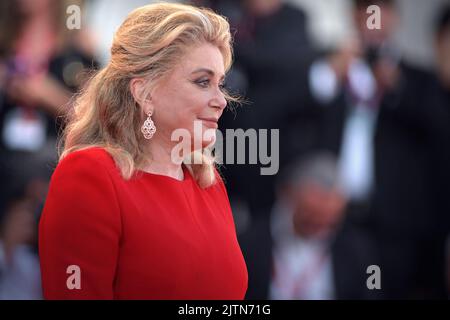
{"points": [[160, 160]]}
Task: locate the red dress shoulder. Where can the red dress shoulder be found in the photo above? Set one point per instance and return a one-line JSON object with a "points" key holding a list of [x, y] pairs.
{"points": [[150, 237]]}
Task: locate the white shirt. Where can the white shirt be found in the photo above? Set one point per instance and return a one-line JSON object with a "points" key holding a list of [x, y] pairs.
{"points": [[20, 279], [303, 268]]}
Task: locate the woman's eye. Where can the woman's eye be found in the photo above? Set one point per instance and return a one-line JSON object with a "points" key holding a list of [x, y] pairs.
{"points": [[203, 83], [206, 83]]}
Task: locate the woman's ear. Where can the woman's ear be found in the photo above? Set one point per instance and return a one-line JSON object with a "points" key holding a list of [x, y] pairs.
{"points": [[140, 95]]}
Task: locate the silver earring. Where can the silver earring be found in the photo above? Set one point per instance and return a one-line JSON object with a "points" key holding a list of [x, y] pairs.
{"points": [[148, 129]]}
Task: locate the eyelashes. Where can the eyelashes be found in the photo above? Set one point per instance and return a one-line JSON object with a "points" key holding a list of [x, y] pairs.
{"points": [[202, 83], [205, 83]]}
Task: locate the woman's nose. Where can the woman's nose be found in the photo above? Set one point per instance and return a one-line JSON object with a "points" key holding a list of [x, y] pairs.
{"points": [[219, 100]]}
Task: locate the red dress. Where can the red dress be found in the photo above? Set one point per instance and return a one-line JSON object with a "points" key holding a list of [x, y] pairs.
{"points": [[151, 237]]}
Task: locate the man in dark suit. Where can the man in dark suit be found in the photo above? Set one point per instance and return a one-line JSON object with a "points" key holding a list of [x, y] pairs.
{"points": [[411, 205], [309, 248]]}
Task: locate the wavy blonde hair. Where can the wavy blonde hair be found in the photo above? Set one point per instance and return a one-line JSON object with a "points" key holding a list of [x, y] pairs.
{"points": [[150, 41]]}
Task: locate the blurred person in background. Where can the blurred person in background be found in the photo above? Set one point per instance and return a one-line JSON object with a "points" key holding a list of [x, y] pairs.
{"points": [[380, 118], [350, 83], [41, 61], [307, 249], [19, 262], [410, 204]]}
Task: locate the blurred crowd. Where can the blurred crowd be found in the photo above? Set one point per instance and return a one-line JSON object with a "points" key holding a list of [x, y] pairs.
{"points": [[42, 64], [364, 175]]}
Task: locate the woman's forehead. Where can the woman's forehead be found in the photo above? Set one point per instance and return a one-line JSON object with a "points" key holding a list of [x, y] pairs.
{"points": [[205, 58]]}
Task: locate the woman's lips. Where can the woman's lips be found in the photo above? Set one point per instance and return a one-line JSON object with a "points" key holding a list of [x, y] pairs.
{"points": [[211, 123]]}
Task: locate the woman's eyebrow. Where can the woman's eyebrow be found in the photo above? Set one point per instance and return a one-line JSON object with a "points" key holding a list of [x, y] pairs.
{"points": [[208, 71]]}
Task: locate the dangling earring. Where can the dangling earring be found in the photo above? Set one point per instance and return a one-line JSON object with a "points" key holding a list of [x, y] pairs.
{"points": [[148, 129]]}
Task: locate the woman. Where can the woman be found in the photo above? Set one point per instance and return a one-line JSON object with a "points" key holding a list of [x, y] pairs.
{"points": [[40, 66], [124, 219]]}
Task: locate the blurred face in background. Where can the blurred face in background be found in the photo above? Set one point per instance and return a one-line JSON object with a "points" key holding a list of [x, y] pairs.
{"points": [[262, 7], [317, 209], [32, 7], [443, 56], [388, 23], [374, 44]]}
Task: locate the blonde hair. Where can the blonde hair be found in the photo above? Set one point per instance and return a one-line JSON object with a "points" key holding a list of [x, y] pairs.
{"points": [[148, 44]]}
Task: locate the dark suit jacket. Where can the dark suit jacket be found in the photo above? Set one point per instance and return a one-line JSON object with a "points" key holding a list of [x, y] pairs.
{"points": [[411, 204]]}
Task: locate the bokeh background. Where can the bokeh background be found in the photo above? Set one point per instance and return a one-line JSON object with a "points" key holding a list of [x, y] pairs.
{"points": [[364, 149]]}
